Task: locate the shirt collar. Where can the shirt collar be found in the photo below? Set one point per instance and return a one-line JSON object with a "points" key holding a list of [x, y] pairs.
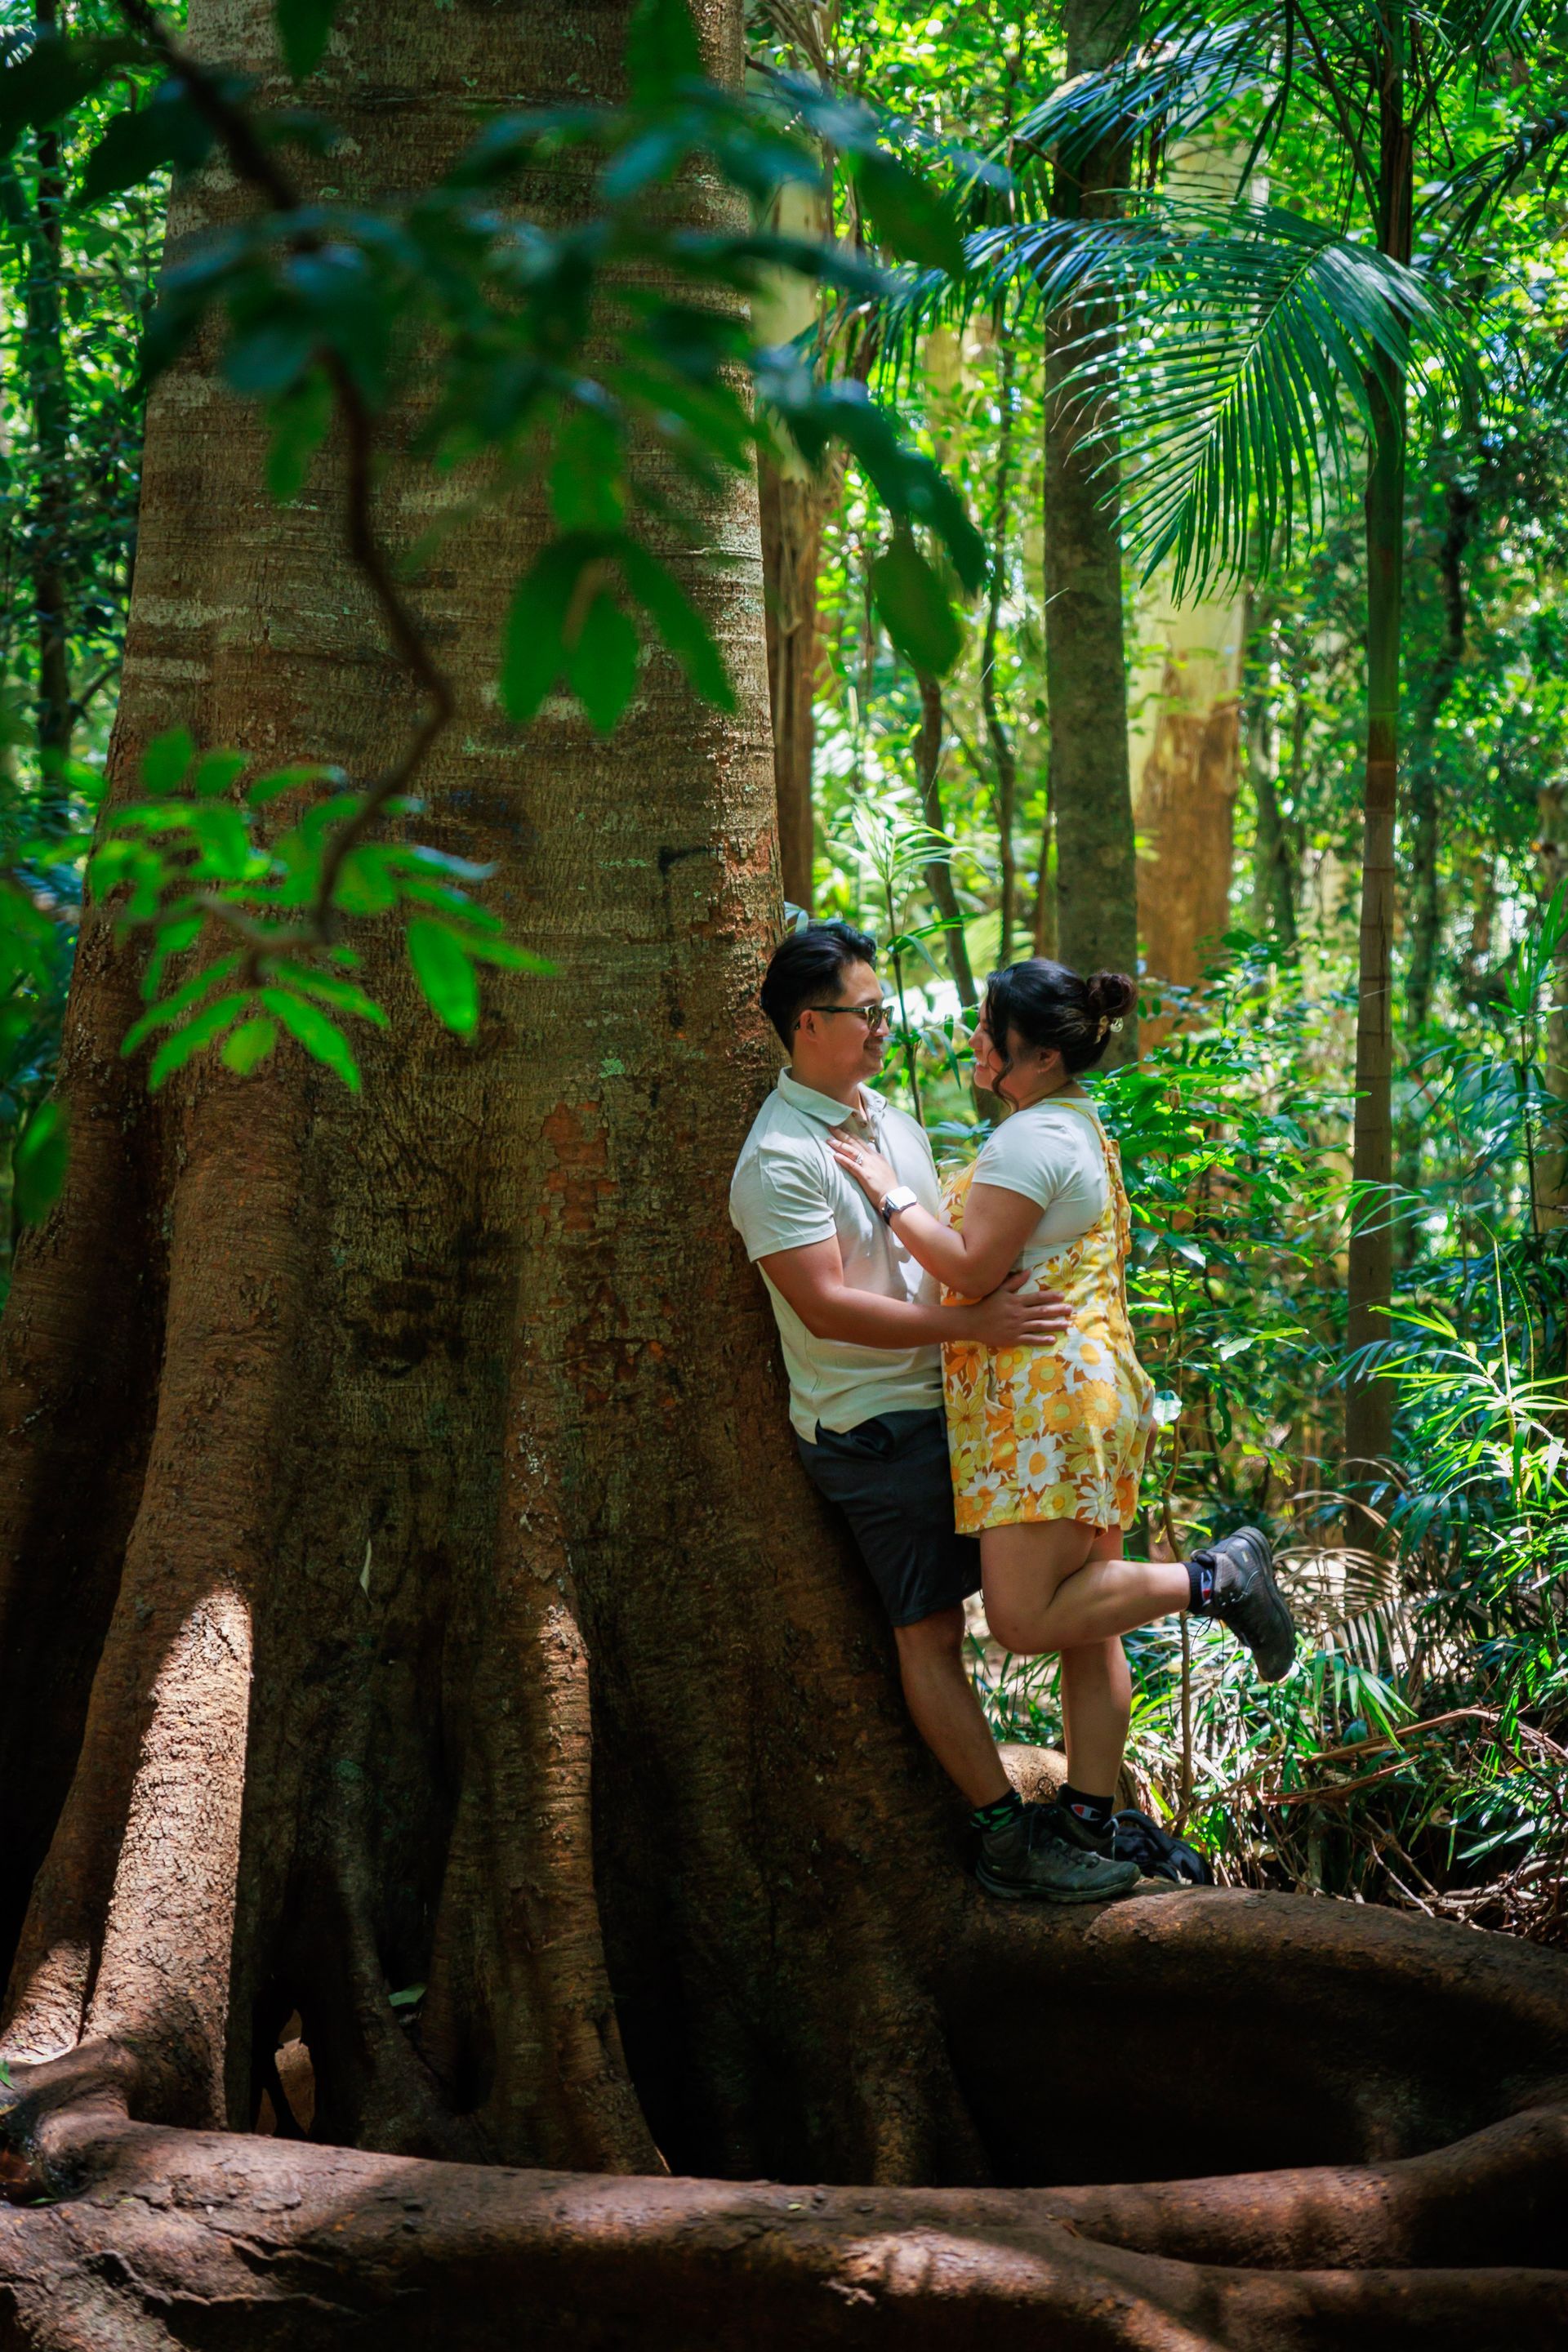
{"points": [[824, 1107]]}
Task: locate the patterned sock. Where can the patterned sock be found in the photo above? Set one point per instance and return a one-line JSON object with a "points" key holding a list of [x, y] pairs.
{"points": [[1093, 1811], [998, 1815], [1200, 1583]]}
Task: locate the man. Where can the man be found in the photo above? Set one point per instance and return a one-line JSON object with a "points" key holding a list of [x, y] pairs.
{"points": [[861, 1326]]}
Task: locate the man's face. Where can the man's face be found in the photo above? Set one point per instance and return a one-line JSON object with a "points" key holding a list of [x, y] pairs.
{"points": [[834, 1039]]}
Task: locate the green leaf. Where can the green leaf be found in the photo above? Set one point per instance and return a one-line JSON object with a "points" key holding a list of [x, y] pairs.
{"points": [[914, 608], [166, 759], [225, 840], [602, 667], [586, 488], [169, 1008], [322, 1038], [291, 780], [340, 993], [300, 421], [444, 975], [247, 1047], [534, 650], [364, 886], [907, 213], [302, 29], [38, 1163], [167, 130], [209, 1023], [54, 75], [680, 623], [661, 50], [218, 771]]}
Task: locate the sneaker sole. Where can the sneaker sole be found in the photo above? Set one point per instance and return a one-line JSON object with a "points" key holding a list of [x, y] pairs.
{"points": [[1041, 1894]]}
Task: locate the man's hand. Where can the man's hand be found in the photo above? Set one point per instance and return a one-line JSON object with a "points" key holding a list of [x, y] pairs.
{"points": [[1005, 1320]]}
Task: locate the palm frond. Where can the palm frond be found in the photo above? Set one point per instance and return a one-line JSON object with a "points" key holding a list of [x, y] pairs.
{"points": [[1222, 356], [1170, 88]]}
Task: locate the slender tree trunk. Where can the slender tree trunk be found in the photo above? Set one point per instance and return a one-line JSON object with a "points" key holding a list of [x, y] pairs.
{"points": [[1274, 867], [1424, 897], [416, 1624], [1552, 1205], [1426, 906], [793, 508], [1004, 757], [49, 521], [939, 873], [1369, 1402], [1086, 669]]}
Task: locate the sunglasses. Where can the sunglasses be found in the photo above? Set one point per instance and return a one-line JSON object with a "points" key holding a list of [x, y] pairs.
{"points": [[875, 1016]]}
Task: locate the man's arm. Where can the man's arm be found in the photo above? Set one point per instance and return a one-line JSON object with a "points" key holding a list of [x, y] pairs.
{"points": [[812, 1280]]}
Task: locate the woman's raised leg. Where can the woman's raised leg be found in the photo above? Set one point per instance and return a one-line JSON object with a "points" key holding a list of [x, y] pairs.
{"points": [[1056, 1584]]}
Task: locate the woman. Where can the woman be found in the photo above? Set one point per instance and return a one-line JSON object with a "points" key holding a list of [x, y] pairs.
{"points": [[1047, 1444]]}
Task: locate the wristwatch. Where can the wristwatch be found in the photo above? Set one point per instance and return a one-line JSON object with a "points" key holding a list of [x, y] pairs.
{"points": [[902, 1196]]}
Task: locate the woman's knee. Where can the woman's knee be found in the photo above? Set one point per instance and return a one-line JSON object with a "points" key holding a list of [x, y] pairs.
{"points": [[1017, 1631]]}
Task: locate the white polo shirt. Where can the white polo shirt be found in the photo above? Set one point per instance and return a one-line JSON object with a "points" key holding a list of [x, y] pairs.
{"points": [[788, 1192]]}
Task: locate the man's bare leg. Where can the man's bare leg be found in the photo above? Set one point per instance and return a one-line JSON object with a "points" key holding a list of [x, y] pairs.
{"points": [[941, 1697]]}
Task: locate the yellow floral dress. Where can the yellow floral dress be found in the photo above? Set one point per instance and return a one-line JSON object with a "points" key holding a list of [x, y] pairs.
{"points": [[1058, 1432]]}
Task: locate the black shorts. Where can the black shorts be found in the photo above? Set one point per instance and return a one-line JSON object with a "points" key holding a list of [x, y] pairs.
{"points": [[890, 1478]]}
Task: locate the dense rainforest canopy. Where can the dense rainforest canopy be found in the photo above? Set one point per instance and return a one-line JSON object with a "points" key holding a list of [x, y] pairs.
{"points": [[504, 518]]}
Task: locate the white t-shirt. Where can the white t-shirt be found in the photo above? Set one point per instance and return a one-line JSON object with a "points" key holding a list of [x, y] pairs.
{"points": [[787, 1191], [1052, 1154]]}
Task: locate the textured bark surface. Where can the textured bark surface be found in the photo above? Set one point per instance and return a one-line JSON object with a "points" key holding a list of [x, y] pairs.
{"points": [[1186, 813], [407, 1583], [793, 511], [1086, 668]]}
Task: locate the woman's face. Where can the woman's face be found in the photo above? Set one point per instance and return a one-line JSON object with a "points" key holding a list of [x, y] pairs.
{"points": [[987, 1060], [1021, 1077]]}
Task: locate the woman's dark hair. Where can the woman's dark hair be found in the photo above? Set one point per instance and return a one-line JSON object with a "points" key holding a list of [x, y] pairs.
{"points": [[808, 968], [1049, 1007]]}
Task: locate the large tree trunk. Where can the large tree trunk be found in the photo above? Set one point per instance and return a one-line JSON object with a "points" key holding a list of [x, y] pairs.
{"points": [[1551, 1175], [407, 1583], [1086, 668]]}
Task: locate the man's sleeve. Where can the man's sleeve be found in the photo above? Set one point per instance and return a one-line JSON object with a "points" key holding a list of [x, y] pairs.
{"points": [[779, 1202]]}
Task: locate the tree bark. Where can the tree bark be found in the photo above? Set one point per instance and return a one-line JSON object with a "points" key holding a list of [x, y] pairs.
{"points": [[1086, 669], [794, 510], [1369, 1402], [1275, 870], [408, 1589], [939, 873], [45, 369], [1551, 1197], [1004, 757]]}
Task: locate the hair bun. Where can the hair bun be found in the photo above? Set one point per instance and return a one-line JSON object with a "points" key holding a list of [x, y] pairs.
{"points": [[1112, 995]]}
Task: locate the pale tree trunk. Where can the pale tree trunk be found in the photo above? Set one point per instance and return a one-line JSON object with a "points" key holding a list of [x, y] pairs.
{"points": [[408, 1582], [1086, 669], [1186, 792], [1187, 730]]}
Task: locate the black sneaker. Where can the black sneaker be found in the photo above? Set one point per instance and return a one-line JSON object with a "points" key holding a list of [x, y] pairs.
{"points": [[1066, 1823], [1242, 1593], [1027, 1861]]}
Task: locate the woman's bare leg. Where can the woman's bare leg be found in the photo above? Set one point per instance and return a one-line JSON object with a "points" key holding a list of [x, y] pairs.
{"points": [[1097, 1707], [1050, 1586]]}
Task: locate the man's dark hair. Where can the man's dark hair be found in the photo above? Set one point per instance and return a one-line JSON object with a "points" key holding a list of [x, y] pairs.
{"points": [[808, 968]]}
